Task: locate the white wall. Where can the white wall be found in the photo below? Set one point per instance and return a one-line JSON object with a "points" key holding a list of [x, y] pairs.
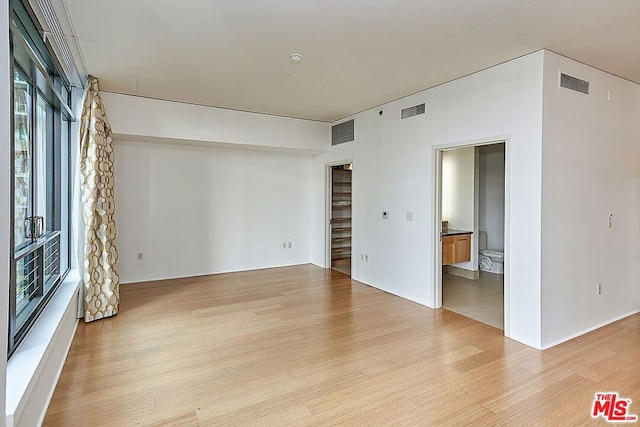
{"points": [[157, 120], [458, 173], [5, 196], [459, 195], [339, 154], [491, 200], [194, 210], [591, 168], [203, 190], [394, 170]]}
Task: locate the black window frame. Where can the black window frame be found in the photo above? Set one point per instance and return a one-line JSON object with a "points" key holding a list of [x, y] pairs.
{"points": [[47, 82]]}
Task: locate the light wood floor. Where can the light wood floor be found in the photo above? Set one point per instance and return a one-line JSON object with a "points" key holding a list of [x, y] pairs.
{"points": [[306, 346], [481, 299]]}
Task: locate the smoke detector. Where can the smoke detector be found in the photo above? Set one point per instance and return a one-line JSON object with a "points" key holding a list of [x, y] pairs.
{"points": [[295, 58]]}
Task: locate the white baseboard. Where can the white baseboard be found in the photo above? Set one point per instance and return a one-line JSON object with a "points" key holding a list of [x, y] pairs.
{"points": [[129, 281], [586, 331]]}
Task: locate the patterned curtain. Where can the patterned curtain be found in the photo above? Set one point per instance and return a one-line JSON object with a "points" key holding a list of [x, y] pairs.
{"points": [[101, 281]]}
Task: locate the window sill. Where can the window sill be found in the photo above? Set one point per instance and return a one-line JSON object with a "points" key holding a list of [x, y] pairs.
{"points": [[27, 363]]}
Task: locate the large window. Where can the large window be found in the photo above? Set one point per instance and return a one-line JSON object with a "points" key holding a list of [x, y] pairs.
{"points": [[41, 146]]}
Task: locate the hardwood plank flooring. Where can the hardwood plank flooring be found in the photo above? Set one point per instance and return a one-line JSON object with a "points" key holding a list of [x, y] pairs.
{"points": [[307, 346]]}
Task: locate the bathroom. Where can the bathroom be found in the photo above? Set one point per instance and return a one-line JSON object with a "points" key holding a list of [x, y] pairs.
{"points": [[473, 215]]}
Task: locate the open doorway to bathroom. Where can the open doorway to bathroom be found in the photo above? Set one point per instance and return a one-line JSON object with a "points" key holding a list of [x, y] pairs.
{"points": [[472, 214]]}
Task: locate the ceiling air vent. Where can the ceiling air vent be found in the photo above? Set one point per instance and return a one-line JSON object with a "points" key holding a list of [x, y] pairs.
{"points": [[413, 111], [574, 83], [342, 132]]}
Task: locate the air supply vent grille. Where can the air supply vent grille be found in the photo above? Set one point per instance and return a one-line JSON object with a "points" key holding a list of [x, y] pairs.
{"points": [[343, 132], [60, 41], [574, 83], [413, 111]]}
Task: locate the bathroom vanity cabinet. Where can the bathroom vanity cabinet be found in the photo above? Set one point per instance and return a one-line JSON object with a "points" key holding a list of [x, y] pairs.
{"points": [[456, 246]]}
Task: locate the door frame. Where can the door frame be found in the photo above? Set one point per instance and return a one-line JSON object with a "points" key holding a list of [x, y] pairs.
{"points": [[437, 215], [327, 208]]}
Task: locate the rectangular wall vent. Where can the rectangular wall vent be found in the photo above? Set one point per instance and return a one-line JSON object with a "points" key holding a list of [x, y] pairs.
{"points": [[413, 111], [574, 83], [343, 132]]}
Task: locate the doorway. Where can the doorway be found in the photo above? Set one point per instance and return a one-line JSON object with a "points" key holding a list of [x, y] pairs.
{"points": [[471, 205], [340, 213]]}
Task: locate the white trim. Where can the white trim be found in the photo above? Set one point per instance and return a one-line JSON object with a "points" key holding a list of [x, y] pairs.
{"points": [[6, 251], [214, 273], [327, 209], [437, 228], [507, 236], [586, 331], [437, 224], [30, 384]]}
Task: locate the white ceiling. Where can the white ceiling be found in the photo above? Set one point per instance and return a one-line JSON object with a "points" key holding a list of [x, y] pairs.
{"points": [[357, 53]]}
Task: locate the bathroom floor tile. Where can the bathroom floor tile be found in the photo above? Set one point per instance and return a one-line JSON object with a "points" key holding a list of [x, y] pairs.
{"points": [[481, 299]]}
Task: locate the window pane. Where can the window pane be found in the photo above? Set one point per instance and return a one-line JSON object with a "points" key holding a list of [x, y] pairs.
{"points": [[22, 157], [45, 188], [41, 169], [65, 137], [51, 262], [28, 284]]}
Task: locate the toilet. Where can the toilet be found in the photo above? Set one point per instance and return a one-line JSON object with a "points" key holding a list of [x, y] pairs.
{"points": [[488, 259]]}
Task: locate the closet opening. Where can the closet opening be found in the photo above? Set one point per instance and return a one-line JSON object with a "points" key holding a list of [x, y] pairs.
{"points": [[340, 212]]}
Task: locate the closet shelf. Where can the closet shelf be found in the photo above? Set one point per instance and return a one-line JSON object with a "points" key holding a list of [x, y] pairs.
{"points": [[341, 239], [345, 219], [341, 194], [341, 251]]}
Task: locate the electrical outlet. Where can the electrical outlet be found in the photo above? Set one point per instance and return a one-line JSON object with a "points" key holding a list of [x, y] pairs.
{"points": [[610, 220], [139, 256], [599, 288], [409, 216], [385, 214], [366, 258], [361, 257], [289, 245], [284, 245]]}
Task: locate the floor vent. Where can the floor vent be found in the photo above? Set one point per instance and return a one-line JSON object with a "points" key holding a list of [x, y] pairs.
{"points": [[343, 132], [413, 111], [574, 83]]}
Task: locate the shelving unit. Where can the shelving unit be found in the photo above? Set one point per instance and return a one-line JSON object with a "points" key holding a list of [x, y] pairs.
{"points": [[341, 216]]}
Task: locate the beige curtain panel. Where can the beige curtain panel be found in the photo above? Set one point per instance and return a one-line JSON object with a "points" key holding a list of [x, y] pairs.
{"points": [[101, 281]]}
